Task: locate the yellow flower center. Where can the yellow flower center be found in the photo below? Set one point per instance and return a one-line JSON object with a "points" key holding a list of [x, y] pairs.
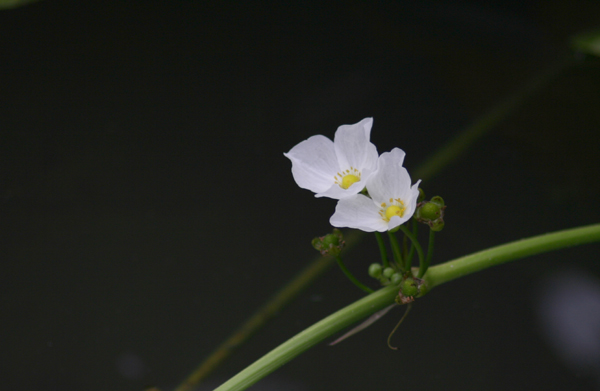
{"points": [[396, 208], [348, 180], [347, 177]]}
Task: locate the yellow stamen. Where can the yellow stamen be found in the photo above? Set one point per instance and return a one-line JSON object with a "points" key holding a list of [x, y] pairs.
{"points": [[394, 210], [348, 180]]}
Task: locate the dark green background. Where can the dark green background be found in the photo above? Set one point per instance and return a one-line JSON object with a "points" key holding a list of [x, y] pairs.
{"points": [[147, 208]]}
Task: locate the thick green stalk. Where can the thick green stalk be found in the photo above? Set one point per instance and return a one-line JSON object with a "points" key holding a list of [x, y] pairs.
{"points": [[435, 276], [309, 337]]}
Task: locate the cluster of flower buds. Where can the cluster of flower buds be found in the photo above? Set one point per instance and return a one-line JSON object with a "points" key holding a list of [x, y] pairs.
{"points": [[409, 285], [331, 244], [431, 213], [384, 275]]}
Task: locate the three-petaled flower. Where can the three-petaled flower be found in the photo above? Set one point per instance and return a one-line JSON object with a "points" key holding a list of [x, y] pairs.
{"points": [[337, 169], [343, 168], [393, 201]]}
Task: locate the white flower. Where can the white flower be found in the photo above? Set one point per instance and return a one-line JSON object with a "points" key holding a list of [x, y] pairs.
{"points": [[335, 169], [393, 201]]}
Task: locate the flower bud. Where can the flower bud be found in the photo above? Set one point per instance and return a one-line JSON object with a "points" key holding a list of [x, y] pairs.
{"points": [[330, 240], [429, 211], [437, 225], [439, 201], [409, 287], [331, 244], [375, 270], [396, 278], [388, 271], [432, 213]]}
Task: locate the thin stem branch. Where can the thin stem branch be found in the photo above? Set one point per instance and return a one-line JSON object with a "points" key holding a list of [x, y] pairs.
{"points": [[411, 252], [415, 242], [423, 268], [389, 340], [382, 250], [351, 277], [396, 250]]}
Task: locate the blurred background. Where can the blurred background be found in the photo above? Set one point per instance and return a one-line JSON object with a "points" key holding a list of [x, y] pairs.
{"points": [[147, 208]]}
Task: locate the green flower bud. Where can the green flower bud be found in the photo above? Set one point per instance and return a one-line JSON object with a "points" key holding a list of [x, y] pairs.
{"points": [[436, 225], [375, 270], [431, 213], [330, 240], [409, 287], [396, 278], [331, 244], [317, 244], [439, 201], [388, 272]]}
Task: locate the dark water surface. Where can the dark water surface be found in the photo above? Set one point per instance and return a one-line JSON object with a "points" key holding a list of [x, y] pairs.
{"points": [[147, 208]]}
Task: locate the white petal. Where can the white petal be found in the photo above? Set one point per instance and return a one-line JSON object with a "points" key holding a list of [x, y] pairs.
{"points": [[391, 180], [410, 202], [358, 212], [353, 148], [314, 163], [410, 199], [396, 221], [337, 193]]}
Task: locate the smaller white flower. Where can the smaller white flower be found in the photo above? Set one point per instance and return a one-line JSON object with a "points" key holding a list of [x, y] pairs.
{"points": [[335, 169], [393, 201]]}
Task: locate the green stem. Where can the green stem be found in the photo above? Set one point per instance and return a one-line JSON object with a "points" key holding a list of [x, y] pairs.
{"points": [[396, 250], [411, 252], [351, 277], [415, 243], [374, 302], [461, 267], [382, 250], [423, 268], [309, 337]]}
